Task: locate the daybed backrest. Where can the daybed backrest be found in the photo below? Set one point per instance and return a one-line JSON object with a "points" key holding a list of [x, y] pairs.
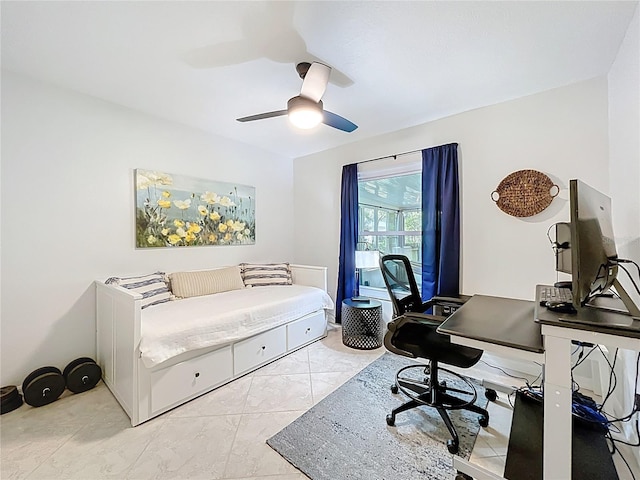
{"points": [[309, 275]]}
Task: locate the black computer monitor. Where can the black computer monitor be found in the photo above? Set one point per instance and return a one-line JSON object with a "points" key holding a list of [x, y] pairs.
{"points": [[594, 266]]}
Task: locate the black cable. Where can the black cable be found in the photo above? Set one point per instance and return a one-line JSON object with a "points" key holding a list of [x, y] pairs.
{"points": [[635, 285], [615, 449], [637, 444], [626, 260], [581, 358], [613, 379], [526, 380]]}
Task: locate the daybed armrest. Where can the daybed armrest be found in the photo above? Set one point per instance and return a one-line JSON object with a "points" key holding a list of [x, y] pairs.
{"points": [[117, 290], [310, 276], [118, 312]]}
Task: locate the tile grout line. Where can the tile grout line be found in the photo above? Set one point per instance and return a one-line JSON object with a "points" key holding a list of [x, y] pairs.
{"points": [[54, 452], [133, 464], [235, 434]]}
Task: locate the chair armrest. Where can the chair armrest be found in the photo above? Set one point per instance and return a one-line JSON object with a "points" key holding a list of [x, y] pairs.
{"points": [[432, 321], [457, 300], [424, 318]]}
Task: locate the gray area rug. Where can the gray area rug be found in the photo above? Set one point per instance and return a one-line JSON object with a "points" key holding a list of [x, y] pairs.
{"points": [[346, 437]]}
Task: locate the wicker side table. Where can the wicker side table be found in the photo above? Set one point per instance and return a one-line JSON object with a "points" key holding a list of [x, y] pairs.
{"points": [[362, 324]]}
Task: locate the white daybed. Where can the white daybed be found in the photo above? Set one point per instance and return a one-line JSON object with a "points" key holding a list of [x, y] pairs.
{"points": [[163, 356]]}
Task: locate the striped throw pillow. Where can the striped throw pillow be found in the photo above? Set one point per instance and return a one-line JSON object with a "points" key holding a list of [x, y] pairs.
{"points": [[261, 274], [153, 287], [205, 282]]}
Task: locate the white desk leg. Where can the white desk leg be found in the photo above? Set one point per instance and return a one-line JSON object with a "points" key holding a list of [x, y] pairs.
{"points": [[557, 409]]}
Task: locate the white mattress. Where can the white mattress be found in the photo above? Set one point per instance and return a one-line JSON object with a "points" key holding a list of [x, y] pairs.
{"points": [[175, 327]]}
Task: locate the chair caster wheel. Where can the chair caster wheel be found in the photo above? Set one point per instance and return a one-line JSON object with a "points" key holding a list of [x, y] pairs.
{"points": [[452, 446], [391, 421], [491, 394], [394, 389], [463, 476], [483, 421]]}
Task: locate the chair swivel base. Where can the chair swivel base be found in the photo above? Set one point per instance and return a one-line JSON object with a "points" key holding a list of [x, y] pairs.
{"points": [[420, 394]]}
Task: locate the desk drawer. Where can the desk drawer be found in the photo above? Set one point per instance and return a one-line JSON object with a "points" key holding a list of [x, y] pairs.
{"points": [[179, 382], [306, 329], [257, 350]]}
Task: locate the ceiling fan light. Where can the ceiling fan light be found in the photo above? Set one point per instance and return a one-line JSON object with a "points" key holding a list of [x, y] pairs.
{"points": [[304, 113]]}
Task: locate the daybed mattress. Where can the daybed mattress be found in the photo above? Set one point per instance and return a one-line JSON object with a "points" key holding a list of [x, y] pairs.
{"points": [[175, 327]]}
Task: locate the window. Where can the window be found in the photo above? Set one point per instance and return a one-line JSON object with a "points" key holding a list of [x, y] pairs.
{"points": [[390, 221]]}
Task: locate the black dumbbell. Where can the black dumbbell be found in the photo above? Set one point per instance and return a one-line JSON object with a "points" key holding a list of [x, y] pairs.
{"points": [[43, 386], [11, 399], [82, 374]]}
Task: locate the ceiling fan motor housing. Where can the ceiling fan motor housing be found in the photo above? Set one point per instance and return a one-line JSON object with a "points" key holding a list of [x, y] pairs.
{"points": [[301, 102], [303, 112]]}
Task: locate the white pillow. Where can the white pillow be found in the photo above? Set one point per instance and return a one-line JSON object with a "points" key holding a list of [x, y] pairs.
{"points": [[153, 287], [205, 282], [261, 274]]}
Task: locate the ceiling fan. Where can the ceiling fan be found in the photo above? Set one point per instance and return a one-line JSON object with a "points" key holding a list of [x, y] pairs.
{"points": [[305, 110]]}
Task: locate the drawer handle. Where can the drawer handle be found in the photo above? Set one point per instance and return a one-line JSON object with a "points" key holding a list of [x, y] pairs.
{"points": [[197, 374], [307, 330], [263, 347]]}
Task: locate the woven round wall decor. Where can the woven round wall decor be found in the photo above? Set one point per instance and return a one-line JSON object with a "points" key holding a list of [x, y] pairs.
{"points": [[524, 193]]}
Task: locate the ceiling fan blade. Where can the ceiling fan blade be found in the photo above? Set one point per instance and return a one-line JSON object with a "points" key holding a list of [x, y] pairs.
{"points": [[260, 116], [336, 121], [315, 81]]}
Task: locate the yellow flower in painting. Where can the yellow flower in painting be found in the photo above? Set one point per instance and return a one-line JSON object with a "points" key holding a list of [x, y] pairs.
{"points": [[182, 204], [222, 227], [227, 237], [190, 237], [237, 226], [178, 223], [226, 202], [202, 210], [164, 203], [210, 197], [213, 238], [166, 194], [215, 216], [151, 239], [229, 223], [173, 239], [180, 231], [193, 228], [165, 231]]}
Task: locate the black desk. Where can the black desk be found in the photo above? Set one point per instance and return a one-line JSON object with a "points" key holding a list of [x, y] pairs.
{"points": [[504, 326], [509, 327], [499, 321]]}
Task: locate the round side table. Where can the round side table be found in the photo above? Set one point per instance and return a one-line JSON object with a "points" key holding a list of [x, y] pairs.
{"points": [[362, 324]]}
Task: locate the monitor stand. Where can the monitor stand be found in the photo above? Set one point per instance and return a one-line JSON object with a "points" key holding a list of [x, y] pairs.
{"points": [[611, 304]]}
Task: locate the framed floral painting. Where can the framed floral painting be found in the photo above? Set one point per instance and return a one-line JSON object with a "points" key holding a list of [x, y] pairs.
{"points": [[179, 211]]}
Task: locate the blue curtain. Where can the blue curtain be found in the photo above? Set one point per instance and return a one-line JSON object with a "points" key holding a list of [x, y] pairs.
{"points": [[348, 236], [440, 221]]}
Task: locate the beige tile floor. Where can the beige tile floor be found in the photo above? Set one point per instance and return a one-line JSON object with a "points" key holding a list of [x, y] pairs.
{"points": [[88, 436]]}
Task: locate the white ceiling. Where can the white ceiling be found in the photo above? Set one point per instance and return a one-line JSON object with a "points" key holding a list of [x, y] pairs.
{"points": [[396, 64]]}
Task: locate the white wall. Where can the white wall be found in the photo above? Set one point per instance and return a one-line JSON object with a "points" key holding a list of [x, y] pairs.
{"points": [[624, 158], [68, 212], [561, 132], [624, 137]]}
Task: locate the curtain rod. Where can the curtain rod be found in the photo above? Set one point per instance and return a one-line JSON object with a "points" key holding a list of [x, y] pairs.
{"points": [[390, 156]]}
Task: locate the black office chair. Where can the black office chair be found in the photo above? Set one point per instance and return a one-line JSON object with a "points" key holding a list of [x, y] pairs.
{"points": [[412, 333]]}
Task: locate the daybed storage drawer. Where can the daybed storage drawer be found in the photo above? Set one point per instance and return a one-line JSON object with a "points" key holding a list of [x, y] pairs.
{"points": [[259, 349], [178, 382], [306, 329]]}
